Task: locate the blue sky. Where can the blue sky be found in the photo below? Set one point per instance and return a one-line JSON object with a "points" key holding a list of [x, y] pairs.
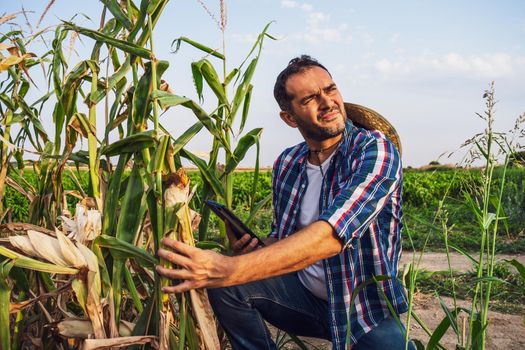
{"points": [[422, 64]]}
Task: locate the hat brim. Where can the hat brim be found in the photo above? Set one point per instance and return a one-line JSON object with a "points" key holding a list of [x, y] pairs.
{"points": [[369, 119]]}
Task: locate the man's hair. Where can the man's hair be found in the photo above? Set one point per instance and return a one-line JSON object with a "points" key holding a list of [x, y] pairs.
{"points": [[295, 66]]}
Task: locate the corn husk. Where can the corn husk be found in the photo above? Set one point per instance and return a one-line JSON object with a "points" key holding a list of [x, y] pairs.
{"points": [[85, 226]]}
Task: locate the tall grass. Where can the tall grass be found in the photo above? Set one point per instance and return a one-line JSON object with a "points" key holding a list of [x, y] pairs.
{"points": [[485, 201]]}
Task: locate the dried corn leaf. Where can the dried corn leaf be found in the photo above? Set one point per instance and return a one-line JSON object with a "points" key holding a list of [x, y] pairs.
{"points": [[13, 60], [93, 304], [99, 344], [77, 328]]}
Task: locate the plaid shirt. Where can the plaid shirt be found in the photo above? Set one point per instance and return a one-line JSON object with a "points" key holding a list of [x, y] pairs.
{"points": [[361, 199]]}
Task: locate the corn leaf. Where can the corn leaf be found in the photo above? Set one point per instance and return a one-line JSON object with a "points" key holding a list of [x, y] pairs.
{"points": [[114, 7], [246, 107], [199, 46], [205, 172], [5, 296], [125, 250], [212, 78], [245, 143], [255, 209], [129, 220], [183, 139], [36, 265], [120, 44], [167, 99], [131, 144], [113, 195]]}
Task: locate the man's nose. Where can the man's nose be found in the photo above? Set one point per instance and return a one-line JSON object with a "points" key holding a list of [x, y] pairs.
{"points": [[325, 101]]}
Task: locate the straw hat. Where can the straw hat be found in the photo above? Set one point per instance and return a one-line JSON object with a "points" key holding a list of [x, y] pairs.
{"points": [[369, 119]]}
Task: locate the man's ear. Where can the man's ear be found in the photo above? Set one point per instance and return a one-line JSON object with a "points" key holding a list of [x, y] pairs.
{"points": [[288, 119]]}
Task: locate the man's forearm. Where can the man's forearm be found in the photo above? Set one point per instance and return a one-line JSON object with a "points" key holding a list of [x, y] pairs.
{"points": [[197, 268], [312, 243]]}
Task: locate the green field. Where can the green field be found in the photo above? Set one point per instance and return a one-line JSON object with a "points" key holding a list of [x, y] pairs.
{"points": [[422, 193]]}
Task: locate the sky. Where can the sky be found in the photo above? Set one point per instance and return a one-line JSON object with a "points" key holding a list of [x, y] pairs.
{"points": [[423, 64]]}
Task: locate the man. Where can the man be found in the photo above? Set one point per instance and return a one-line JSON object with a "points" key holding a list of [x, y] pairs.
{"points": [[337, 221]]}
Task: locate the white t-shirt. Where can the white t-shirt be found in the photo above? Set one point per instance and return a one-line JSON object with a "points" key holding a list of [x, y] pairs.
{"points": [[312, 277]]}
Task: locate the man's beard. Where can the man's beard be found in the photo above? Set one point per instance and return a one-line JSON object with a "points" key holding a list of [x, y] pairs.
{"points": [[320, 133]]}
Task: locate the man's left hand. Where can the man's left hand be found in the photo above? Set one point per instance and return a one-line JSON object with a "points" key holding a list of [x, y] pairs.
{"points": [[196, 268]]}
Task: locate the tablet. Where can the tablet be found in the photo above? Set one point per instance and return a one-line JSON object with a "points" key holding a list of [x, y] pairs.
{"points": [[238, 227]]}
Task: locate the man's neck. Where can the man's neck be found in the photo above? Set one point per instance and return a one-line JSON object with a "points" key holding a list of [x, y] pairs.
{"points": [[321, 150]]}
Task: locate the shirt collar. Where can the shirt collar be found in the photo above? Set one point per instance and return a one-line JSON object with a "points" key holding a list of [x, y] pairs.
{"points": [[302, 155]]}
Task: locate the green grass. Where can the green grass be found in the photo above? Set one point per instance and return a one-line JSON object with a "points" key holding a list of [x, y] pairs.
{"points": [[508, 296]]}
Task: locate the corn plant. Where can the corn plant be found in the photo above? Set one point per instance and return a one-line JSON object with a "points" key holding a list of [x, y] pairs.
{"points": [[218, 178], [90, 276]]}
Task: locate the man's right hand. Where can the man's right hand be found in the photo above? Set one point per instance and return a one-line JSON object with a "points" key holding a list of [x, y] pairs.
{"points": [[243, 245]]}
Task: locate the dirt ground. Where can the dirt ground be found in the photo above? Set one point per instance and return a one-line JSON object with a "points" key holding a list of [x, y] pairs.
{"points": [[504, 332]]}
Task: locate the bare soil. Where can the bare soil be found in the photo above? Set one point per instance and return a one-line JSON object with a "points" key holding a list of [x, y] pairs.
{"points": [[505, 331]]}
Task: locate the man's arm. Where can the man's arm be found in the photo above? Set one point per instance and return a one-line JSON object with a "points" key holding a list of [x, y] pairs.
{"points": [[207, 269]]}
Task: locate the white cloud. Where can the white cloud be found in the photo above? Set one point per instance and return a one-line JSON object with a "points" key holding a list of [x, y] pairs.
{"points": [[491, 66], [294, 4], [244, 38]]}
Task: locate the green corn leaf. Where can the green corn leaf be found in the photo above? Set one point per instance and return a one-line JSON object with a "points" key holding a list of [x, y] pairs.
{"points": [[230, 76], [205, 172], [160, 154], [131, 144], [133, 290], [114, 7], [113, 195], [118, 77], [183, 139], [146, 321], [125, 250], [246, 107], [166, 100], [212, 78], [199, 46], [5, 296], [245, 143], [255, 209], [35, 265], [120, 44], [258, 42], [197, 79], [129, 218]]}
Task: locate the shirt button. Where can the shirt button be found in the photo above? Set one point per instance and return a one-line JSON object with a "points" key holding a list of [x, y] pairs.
{"points": [[303, 185]]}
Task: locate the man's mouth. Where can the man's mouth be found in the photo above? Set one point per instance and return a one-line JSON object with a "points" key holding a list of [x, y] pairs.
{"points": [[329, 116]]}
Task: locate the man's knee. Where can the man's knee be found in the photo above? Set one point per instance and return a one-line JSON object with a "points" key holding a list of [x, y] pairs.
{"points": [[224, 298]]}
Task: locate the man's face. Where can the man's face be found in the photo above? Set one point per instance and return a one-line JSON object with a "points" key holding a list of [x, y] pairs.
{"points": [[317, 106]]}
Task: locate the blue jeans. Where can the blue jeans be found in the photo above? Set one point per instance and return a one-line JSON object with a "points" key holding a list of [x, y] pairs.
{"points": [[285, 303]]}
